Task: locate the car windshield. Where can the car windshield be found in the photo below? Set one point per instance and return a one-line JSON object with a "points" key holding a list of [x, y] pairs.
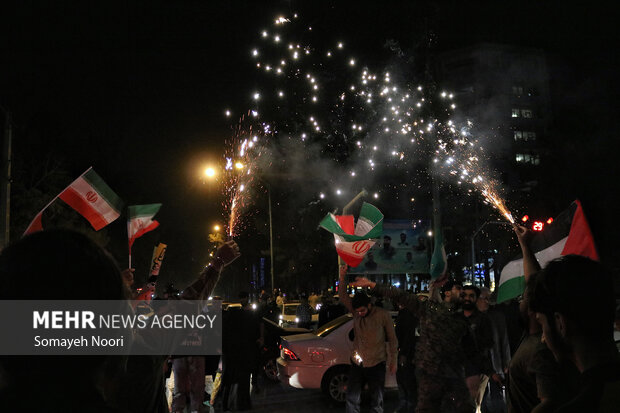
{"points": [[327, 328], [290, 309]]}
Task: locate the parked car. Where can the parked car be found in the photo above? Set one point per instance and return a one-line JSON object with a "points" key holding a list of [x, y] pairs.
{"points": [[288, 316], [321, 360], [271, 347]]}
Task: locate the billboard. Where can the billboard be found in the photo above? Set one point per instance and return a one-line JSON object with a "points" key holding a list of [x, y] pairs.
{"points": [[404, 248]]}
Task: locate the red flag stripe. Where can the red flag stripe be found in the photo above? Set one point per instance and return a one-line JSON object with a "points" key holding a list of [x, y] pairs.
{"points": [[36, 224], [580, 240], [75, 200], [347, 223], [143, 231]]}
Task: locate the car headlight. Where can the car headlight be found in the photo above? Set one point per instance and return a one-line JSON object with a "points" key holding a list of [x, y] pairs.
{"points": [[296, 320], [280, 317]]}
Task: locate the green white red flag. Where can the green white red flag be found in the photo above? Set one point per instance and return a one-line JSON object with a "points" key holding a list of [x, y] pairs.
{"points": [[569, 233], [140, 221], [354, 240], [93, 199]]}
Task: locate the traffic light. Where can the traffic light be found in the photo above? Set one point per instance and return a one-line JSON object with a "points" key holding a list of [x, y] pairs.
{"points": [[537, 225]]}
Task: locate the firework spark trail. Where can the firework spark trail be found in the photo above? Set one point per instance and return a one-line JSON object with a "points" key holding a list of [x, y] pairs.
{"points": [[390, 121], [243, 151]]}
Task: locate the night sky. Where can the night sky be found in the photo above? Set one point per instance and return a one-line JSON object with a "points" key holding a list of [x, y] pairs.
{"points": [[137, 89]]}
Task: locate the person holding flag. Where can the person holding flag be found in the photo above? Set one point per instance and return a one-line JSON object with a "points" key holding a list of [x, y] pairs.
{"points": [[374, 345], [445, 342]]}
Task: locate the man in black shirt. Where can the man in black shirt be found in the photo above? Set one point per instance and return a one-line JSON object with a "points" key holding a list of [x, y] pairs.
{"points": [[578, 326]]}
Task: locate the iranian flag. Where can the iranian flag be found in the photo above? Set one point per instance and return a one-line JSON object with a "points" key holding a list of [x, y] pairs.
{"points": [[93, 199], [140, 221], [569, 233], [354, 240]]}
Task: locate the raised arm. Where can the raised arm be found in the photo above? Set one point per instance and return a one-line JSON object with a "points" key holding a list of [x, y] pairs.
{"points": [[343, 296], [204, 285], [400, 297], [530, 263]]}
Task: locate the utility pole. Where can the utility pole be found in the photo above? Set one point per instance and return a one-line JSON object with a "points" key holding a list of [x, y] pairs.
{"points": [[5, 181], [273, 285]]}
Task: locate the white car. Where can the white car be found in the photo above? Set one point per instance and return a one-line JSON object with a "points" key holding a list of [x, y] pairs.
{"points": [[288, 317], [321, 360]]}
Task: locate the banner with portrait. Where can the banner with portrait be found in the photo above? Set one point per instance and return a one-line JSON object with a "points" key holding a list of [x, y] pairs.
{"points": [[403, 248]]}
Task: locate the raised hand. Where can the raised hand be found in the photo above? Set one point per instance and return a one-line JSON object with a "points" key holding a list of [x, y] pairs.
{"points": [[524, 235], [227, 253], [127, 275], [363, 282]]}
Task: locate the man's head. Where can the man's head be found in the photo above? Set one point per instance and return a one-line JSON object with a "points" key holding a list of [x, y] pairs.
{"points": [[361, 304], [387, 240], [403, 237], [483, 299], [409, 256], [57, 265], [470, 296], [567, 314], [370, 257], [451, 291]]}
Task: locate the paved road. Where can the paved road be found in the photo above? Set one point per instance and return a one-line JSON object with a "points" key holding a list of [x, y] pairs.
{"points": [[277, 398]]}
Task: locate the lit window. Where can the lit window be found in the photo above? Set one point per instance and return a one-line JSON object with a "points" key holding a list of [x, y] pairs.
{"points": [[517, 90], [529, 136], [526, 113], [518, 135], [515, 113], [520, 157]]}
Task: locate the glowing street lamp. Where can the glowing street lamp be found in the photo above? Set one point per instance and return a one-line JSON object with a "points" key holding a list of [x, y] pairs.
{"points": [[210, 172]]}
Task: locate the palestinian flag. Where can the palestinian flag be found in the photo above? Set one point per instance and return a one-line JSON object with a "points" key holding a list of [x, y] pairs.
{"points": [[569, 233], [93, 199], [140, 221], [354, 240]]}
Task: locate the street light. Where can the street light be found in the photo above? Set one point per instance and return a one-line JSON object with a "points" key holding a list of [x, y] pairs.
{"points": [[210, 172]]}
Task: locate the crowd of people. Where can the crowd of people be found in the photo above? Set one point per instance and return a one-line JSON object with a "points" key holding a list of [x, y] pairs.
{"points": [[462, 361], [451, 350]]}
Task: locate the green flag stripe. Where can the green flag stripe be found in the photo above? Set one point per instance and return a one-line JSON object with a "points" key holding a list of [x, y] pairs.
{"points": [[136, 211], [510, 289], [103, 189]]}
